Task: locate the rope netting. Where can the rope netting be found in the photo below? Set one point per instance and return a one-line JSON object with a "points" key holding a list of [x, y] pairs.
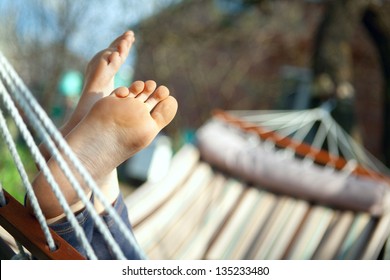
{"points": [[317, 128], [21, 98]]}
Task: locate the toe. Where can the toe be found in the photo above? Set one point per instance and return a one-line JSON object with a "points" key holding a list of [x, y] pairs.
{"points": [[150, 87], [129, 33], [136, 88], [164, 111], [124, 45], [158, 95], [121, 92], [124, 36]]}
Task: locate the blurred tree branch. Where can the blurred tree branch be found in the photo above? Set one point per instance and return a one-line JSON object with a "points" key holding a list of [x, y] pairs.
{"points": [[39, 38]]}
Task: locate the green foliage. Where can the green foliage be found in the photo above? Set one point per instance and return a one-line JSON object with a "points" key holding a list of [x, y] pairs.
{"points": [[9, 175]]}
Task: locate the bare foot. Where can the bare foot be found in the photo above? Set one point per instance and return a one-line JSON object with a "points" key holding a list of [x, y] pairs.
{"points": [[99, 77], [116, 127], [99, 82]]}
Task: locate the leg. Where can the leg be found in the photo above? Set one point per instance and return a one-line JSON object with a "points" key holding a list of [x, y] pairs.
{"points": [[116, 127], [99, 82]]}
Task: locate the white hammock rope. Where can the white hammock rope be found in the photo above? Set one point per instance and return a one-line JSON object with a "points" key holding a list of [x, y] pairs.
{"points": [[40, 121], [38, 158], [25, 180]]}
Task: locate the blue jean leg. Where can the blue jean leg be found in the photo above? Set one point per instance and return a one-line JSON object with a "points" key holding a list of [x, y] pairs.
{"points": [[67, 232], [101, 248], [96, 239]]}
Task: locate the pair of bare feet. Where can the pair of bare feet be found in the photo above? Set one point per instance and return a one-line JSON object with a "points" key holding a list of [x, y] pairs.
{"points": [[107, 127]]}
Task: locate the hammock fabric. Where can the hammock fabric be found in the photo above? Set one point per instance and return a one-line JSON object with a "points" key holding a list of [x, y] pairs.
{"points": [[239, 154], [224, 199], [199, 212]]}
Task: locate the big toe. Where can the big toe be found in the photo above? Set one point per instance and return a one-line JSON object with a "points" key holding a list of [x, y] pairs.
{"points": [[125, 45], [164, 112], [127, 36]]}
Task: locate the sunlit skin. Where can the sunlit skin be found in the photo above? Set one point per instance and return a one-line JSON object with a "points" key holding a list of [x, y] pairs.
{"points": [[107, 128], [99, 83]]}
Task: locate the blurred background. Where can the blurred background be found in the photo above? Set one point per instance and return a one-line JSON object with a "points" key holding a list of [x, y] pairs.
{"points": [[226, 54]]}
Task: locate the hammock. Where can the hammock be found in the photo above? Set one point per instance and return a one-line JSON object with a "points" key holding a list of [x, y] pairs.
{"points": [[215, 203], [288, 165], [34, 234], [209, 206]]}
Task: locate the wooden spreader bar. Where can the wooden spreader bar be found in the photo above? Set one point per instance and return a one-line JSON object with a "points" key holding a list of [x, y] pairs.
{"points": [[16, 219]]}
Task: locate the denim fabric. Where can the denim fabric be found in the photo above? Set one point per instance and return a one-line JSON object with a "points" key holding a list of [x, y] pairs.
{"points": [[102, 250]]}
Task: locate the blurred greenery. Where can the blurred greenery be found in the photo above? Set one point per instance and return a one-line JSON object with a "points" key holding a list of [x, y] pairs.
{"points": [[9, 175]]}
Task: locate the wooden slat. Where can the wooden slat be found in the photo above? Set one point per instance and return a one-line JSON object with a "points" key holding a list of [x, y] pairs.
{"points": [[178, 233], [6, 252], [311, 234], [357, 229], [286, 235], [216, 210], [228, 239], [147, 199], [254, 222], [276, 226], [386, 253], [158, 225], [25, 228], [381, 235], [356, 251], [335, 235]]}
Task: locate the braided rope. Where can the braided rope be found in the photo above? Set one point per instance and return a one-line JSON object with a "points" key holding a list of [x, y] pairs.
{"points": [[28, 103], [80, 169], [19, 165], [38, 158], [41, 162]]}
